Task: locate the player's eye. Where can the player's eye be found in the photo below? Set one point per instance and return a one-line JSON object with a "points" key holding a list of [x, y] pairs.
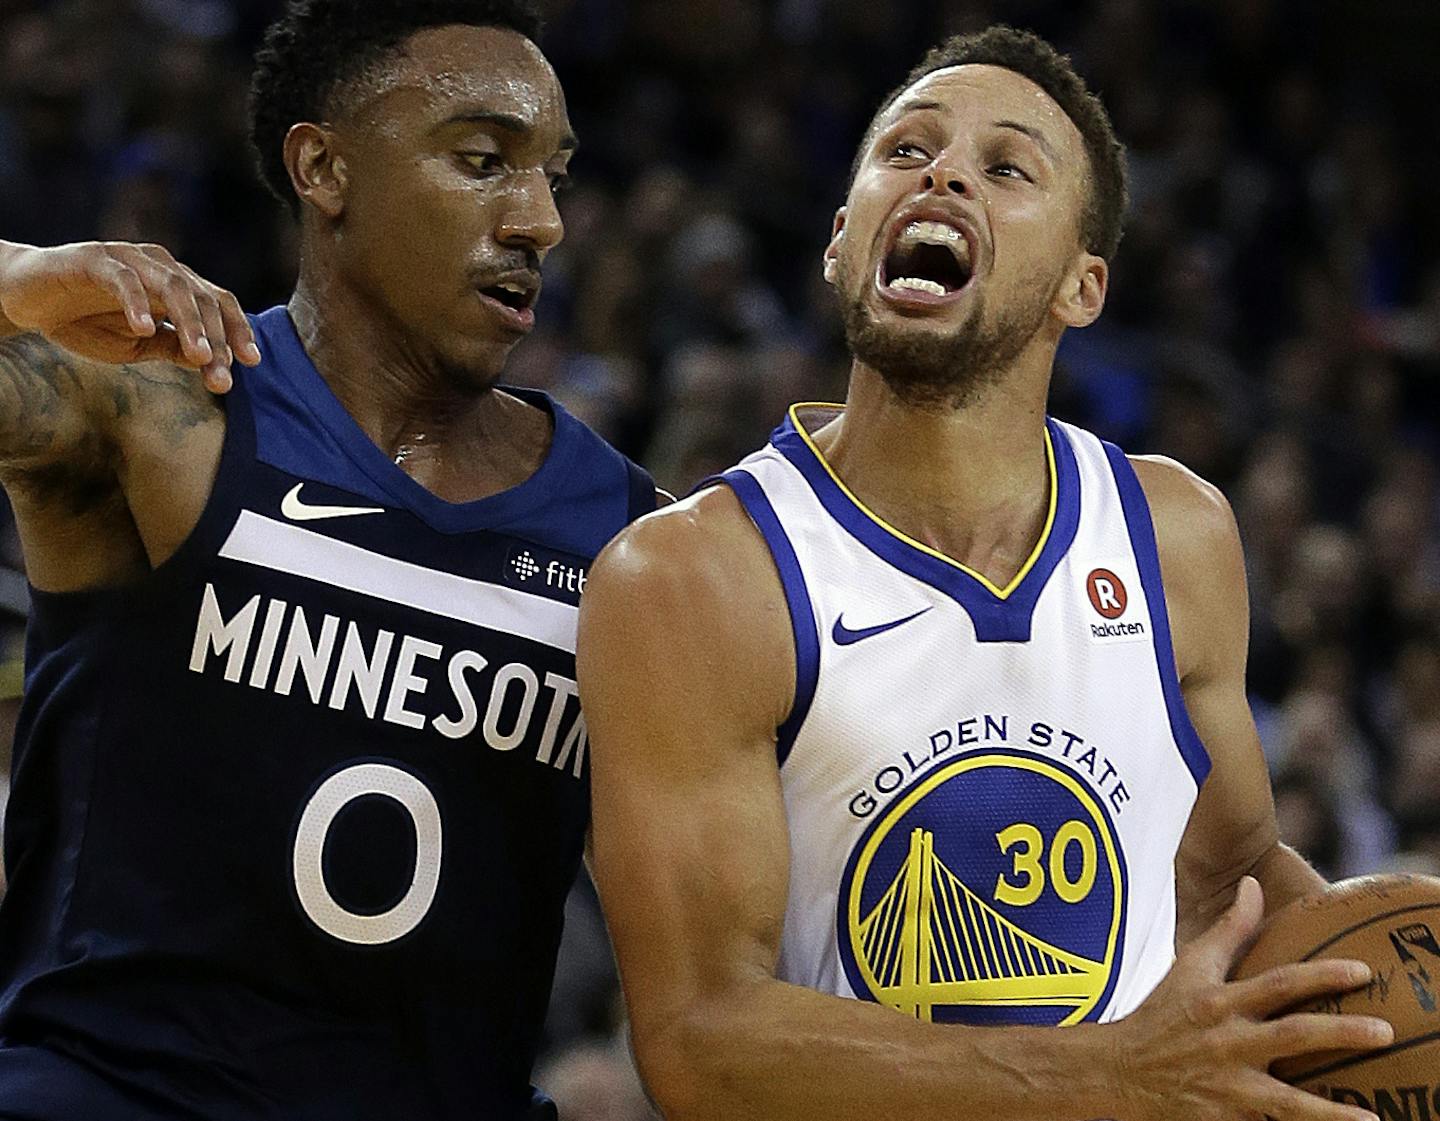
{"points": [[486, 163], [1006, 170], [908, 151], [561, 182]]}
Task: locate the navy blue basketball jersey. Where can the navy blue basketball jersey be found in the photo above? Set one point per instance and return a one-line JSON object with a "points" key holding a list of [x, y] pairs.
{"points": [[293, 821]]}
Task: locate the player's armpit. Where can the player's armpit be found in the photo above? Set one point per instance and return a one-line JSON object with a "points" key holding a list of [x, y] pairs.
{"points": [[686, 667], [1232, 830]]}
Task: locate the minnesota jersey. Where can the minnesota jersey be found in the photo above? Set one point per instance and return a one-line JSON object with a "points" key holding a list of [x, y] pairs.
{"points": [[293, 821], [986, 787]]}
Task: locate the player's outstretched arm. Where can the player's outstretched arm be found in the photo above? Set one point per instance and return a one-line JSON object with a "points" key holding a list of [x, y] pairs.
{"points": [[686, 667], [107, 440]]}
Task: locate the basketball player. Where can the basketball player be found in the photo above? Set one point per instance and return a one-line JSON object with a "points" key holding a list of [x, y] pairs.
{"points": [[996, 662], [301, 780]]}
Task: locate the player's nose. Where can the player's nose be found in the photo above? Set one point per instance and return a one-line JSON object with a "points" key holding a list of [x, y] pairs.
{"points": [[532, 218], [947, 176]]}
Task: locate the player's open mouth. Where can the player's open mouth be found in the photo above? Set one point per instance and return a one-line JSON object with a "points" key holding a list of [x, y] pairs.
{"points": [[930, 262], [514, 300]]}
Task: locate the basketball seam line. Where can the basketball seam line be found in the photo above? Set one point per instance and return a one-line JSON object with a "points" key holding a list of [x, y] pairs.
{"points": [[1330, 1068], [1364, 1056], [1371, 919]]}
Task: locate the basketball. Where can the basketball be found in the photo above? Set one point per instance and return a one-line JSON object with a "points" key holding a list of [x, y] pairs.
{"points": [[1392, 923]]}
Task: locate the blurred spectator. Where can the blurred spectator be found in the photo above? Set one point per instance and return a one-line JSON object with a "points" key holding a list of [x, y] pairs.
{"points": [[1309, 819]]}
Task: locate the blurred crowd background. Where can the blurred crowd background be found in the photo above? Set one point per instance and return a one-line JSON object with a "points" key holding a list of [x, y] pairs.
{"points": [[1274, 319]]}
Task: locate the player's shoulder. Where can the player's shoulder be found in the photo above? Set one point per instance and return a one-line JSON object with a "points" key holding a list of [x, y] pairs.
{"points": [[690, 592], [116, 412], [105, 391], [703, 540], [699, 562], [1192, 516], [1201, 561], [528, 421]]}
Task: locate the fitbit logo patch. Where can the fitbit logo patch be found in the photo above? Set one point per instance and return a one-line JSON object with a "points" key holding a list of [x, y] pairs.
{"points": [[539, 571]]}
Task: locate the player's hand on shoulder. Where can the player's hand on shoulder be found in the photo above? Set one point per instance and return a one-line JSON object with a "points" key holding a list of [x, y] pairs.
{"points": [[1200, 1047], [116, 303]]}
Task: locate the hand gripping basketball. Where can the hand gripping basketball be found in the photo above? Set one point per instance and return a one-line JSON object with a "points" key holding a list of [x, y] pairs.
{"points": [[1200, 1047], [115, 303], [1389, 921]]}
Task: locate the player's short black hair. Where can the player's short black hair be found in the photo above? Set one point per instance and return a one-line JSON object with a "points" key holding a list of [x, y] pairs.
{"points": [[1031, 56], [318, 46]]}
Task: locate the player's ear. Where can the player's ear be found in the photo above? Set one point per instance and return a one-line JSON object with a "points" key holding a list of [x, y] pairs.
{"points": [[317, 171], [832, 251], [1081, 296]]}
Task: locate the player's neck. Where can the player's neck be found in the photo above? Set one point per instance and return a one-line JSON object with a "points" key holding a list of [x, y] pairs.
{"points": [[460, 442], [387, 387], [973, 483]]}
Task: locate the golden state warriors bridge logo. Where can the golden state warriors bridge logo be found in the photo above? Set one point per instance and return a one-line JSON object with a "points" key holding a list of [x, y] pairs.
{"points": [[991, 891]]}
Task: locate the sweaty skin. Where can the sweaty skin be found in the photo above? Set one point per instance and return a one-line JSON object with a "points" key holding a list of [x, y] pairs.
{"points": [[110, 435], [687, 667]]}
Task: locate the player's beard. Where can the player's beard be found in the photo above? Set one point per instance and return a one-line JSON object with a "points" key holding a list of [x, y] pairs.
{"points": [[935, 371]]}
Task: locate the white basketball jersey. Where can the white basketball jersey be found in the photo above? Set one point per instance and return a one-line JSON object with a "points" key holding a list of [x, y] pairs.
{"points": [[986, 787]]}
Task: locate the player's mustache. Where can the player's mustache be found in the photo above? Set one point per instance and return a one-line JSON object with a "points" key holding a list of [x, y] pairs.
{"points": [[514, 260]]}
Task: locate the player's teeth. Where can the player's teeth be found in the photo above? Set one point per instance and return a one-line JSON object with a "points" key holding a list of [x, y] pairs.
{"points": [[919, 284], [515, 288], [934, 233]]}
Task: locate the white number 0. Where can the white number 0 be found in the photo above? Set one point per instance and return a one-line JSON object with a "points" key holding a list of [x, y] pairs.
{"points": [[334, 794]]}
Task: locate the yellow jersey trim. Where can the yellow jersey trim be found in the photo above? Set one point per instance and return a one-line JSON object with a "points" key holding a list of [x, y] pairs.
{"points": [[999, 593]]}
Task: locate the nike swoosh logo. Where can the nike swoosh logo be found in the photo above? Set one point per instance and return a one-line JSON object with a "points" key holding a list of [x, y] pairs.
{"points": [[844, 636], [298, 511]]}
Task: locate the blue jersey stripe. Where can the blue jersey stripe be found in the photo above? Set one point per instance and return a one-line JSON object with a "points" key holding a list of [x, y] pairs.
{"points": [[1147, 557], [797, 596]]}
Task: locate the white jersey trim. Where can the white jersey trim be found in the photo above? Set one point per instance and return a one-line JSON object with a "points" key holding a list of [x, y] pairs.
{"points": [[280, 547]]}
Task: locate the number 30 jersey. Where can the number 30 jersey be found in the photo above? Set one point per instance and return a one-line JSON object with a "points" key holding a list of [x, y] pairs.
{"points": [[986, 787], [294, 820]]}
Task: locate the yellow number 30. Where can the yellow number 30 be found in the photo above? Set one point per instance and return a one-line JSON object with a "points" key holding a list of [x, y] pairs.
{"points": [[1029, 846]]}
